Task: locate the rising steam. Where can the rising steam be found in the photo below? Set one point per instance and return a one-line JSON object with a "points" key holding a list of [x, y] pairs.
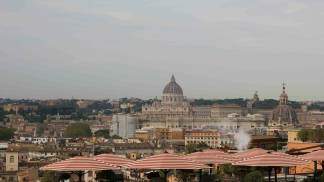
{"points": [[242, 139]]}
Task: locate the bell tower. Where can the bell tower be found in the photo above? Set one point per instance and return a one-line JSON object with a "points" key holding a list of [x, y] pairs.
{"points": [[283, 100]]}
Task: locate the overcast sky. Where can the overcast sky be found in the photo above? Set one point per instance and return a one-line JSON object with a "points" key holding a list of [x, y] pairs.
{"points": [[117, 48]]}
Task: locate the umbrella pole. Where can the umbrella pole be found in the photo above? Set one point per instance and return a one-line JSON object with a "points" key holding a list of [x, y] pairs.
{"points": [[295, 173], [80, 176], [269, 174], [165, 175], [315, 170], [286, 172], [276, 179]]}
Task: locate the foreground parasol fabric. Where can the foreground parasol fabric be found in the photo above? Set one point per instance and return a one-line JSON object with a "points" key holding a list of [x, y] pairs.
{"points": [[249, 153], [273, 159], [79, 164], [314, 156], [113, 159], [166, 161], [214, 157]]}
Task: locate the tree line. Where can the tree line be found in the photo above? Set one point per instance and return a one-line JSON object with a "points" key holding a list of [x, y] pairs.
{"points": [[311, 135]]}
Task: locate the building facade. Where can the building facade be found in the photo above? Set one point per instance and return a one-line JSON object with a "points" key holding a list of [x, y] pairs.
{"points": [[124, 125], [208, 137], [175, 111], [11, 161]]}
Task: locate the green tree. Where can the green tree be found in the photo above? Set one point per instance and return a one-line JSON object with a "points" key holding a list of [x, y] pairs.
{"points": [[40, 129], [318, 135], [116, 137], [183, 175], [228, 169], [211, 177], [266, 104], [254, 176], [190, 148], [321, 178], [303, 135], [102, 133], [2, 114], [77, 130], [106, 176], [6, 133], [313, 135], [49, 176]]}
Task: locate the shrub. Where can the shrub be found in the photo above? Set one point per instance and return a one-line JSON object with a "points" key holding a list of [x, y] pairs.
{"points": [[254, 176]]}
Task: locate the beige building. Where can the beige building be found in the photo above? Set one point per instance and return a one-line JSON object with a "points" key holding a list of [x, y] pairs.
{"points": [[221, 111], [19, 107], [293, 136], [144, 135], [309, 119], [209, 137], [16, 121], [11, 161], [175, 111], [169, 134]]}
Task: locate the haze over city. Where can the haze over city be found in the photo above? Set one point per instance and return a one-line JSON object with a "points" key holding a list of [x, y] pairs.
{"points": [[161, 90], [111, 49]]}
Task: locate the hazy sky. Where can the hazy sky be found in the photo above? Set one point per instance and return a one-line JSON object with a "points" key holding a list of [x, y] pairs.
{"points": [[116, 48]]}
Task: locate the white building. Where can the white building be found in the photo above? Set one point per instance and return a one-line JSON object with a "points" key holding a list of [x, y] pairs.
{"points": [[37, 140], [124, 125], [175, 111]]}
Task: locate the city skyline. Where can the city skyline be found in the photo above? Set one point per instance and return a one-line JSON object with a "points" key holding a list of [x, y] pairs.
{"points": [[283, 86], [223, 49]]}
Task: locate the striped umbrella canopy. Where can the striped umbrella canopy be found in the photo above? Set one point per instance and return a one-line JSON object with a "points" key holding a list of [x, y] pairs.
{"points": [[272, 159], [249, 153], [79, 164], [116, 160], [315, 156], [215, 157], [166, 161], [214, 151]]}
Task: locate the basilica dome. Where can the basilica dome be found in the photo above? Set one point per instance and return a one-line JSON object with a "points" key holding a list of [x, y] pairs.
{"points": [[284, 113], [173, 88]]}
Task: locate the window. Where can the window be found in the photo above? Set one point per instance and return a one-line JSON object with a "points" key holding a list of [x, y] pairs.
{"points": [[11, 178], [12, 159]]}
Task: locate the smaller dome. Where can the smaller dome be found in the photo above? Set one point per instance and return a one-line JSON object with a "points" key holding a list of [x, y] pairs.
{"points": [[173, 87], [285, 114]]}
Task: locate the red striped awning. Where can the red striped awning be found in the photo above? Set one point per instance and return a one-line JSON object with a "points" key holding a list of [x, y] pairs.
{"points": [[166, 161], [214, 151], [79, 164], [249, 153], [214, 157], [272, 159], [314, 156], [116, 160]]}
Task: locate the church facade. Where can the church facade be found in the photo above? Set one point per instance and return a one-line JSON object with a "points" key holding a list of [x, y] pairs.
{"points": [[175, 111], [284, 116]]}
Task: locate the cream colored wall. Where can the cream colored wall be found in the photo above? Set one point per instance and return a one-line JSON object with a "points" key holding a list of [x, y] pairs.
{"points": [[12, 165]]}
